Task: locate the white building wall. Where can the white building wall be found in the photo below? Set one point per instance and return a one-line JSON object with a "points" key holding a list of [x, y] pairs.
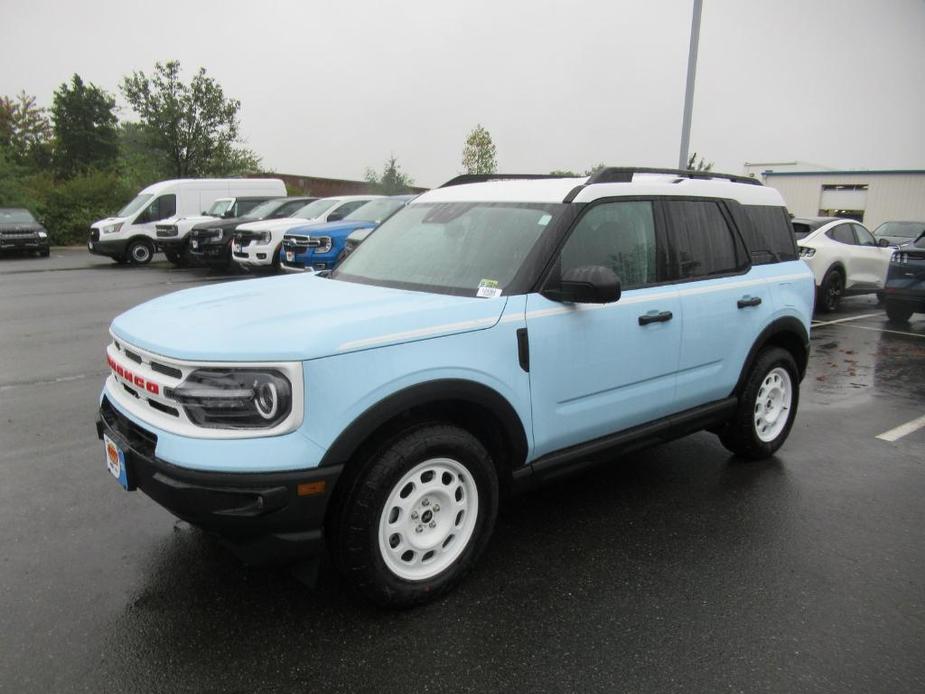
{"points": [[899, 196]]}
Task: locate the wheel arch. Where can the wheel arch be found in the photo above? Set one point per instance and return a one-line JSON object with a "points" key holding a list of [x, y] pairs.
{"points": [[786, 332], [475, 407]]}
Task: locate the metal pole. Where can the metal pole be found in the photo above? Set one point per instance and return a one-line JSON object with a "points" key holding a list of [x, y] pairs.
{"points": [[689, 92]]}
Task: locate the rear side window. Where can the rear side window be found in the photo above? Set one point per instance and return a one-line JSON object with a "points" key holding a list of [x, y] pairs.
{"points": [[865, 238], [770, 236], [704, 244], [617, 235], [242, 207], [843, 234], [161, 208]]}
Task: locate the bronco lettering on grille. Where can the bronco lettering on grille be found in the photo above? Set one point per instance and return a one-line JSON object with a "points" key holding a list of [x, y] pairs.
{"points": [[131, 377]]}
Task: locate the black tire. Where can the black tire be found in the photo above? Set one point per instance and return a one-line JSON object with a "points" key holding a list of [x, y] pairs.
{"points": [[898, 312], [829, 294], [121, 260], [740, 435], [175, 258], [276, 261], [45, 252], [140, 252], [354, 529]]}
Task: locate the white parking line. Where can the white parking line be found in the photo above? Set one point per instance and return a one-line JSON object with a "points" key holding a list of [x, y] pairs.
{"points": [[884, 330], [845, 320], [903, 430]]}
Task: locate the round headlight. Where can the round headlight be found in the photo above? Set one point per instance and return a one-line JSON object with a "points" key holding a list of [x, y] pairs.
{"points": [[266, 399]]}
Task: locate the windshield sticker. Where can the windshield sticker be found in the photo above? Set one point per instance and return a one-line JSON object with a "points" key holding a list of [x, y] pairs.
{"points": [[544, 220], [488, 289]]}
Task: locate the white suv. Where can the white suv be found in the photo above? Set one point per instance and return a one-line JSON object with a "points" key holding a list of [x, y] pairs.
{"points": [[844, 256], [258, 244]]}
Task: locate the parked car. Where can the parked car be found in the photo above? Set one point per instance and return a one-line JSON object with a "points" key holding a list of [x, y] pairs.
{"points": [[173, 234], [488, 336], [320, 246], [130, 236], [210, 242], [844, 256], [899, 233], [21, 231], [905, 283], [257, 244]]}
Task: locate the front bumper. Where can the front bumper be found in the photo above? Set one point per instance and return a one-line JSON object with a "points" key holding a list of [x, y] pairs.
{"points": [[24, 244], [111, 249], [254, 255], [262, 516]]}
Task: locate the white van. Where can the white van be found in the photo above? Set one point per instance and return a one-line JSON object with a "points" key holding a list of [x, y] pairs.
{"points": [[130, 236]]}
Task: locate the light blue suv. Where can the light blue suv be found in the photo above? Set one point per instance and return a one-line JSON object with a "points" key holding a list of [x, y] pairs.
{"points": [[491, 335]]}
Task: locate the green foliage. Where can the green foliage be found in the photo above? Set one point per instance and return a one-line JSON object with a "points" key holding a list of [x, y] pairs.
{"points": [[479, 154], [694, 165], [138, 163], [571, 174], [193, 125], [25, 132], [85, 127], [392, 181], [71, 206]]}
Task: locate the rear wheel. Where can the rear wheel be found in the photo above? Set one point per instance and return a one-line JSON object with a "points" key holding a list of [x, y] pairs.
{"points": [[830, 292], [140, 252], [175, 258], [417, 517], [767, 406], [898, 312]]}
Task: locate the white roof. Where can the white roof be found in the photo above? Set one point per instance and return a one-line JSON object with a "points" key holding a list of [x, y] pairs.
{"points": [[555, 190]]}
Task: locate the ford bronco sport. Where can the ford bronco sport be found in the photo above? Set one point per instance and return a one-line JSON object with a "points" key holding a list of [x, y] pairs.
{"points": [[491, 335]]}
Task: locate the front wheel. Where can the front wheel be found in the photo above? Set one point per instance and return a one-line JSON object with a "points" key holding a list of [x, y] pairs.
{"points": [[140, 252], [417, 517], [767, 406]]}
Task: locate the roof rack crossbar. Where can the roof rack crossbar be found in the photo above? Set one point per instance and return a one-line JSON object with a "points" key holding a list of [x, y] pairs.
{"points": [[482, 178], [624, 174]]}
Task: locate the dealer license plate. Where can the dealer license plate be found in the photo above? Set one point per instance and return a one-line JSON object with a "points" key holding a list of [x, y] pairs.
{"points": [[90, 245], [237, 248], [290, 256], [195, 244], [115, 461]]}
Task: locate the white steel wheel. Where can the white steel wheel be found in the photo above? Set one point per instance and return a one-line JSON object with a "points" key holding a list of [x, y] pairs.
{"points": [[772, 405], [428, 519]]}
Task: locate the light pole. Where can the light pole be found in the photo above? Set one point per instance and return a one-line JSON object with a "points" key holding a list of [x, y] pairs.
{"points": [[689, 92]]}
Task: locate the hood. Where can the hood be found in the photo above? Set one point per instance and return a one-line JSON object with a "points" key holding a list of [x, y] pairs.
{"points": [[176, 219], [222, 222], [896, 240], [22, 226], [108, 221], [330, 228], [294, 318]]}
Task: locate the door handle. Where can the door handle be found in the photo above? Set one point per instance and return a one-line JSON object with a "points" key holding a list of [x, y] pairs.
{"points": [[653, 317], [747, 301]]}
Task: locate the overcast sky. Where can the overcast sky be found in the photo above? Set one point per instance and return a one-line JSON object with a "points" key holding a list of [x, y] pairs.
{"points": [[329, 88]]}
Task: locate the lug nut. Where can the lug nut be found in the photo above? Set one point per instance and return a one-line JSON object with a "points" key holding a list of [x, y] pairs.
{"points": [[433, 524], [419, 529], [425, 502], [436, 507], [414, 515]]}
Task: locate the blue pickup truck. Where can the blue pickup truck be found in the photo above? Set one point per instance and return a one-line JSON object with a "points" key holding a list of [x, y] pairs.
{"points": [[489, 336], [315, 247]]}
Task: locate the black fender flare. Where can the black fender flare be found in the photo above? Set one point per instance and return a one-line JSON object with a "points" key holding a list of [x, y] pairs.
{"points": [[788, 331], [429, 393]]}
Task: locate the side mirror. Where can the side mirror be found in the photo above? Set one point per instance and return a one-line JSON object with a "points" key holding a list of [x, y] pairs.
{"points": [[228, 214], [205, 213], [588, 284], [335, 216], [883, 243]]}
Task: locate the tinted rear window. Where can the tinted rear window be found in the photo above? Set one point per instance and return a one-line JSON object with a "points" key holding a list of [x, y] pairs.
{"points": [[703, 242], [769, 237]]}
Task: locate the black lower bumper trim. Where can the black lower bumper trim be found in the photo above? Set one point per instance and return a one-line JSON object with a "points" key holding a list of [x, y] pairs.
{"points": [[261, 515]]}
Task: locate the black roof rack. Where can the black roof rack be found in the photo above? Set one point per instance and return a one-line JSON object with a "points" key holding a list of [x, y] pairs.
{"points": [[624, 174], [482, 178]]}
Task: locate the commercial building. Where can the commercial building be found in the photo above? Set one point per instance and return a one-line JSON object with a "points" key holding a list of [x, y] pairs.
{"points": [[871, 197]]}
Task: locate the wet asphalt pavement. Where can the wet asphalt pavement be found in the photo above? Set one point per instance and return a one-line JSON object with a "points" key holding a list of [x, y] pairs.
{"points": [[673, 569]]}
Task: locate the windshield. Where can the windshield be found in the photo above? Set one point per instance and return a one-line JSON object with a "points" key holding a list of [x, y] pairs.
{"points": [[262, 210], [375, 210], [220, 207], [450, 248], [906, 230], [16, 216], [315, 209], [135, 205]]}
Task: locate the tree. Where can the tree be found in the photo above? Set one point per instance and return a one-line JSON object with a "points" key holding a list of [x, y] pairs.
{"points": [[571, 174], [694, 165], [194, 125], [393, 180], [85, 127], [25, 132], [479, 152]]}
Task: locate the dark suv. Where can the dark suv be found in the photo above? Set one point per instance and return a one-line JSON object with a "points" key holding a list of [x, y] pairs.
{"points": [[20, 231], [210, 242], [904, 293]]}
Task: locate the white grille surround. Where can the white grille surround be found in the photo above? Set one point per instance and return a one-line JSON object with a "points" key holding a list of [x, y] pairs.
{"points": [[143, 395]]}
